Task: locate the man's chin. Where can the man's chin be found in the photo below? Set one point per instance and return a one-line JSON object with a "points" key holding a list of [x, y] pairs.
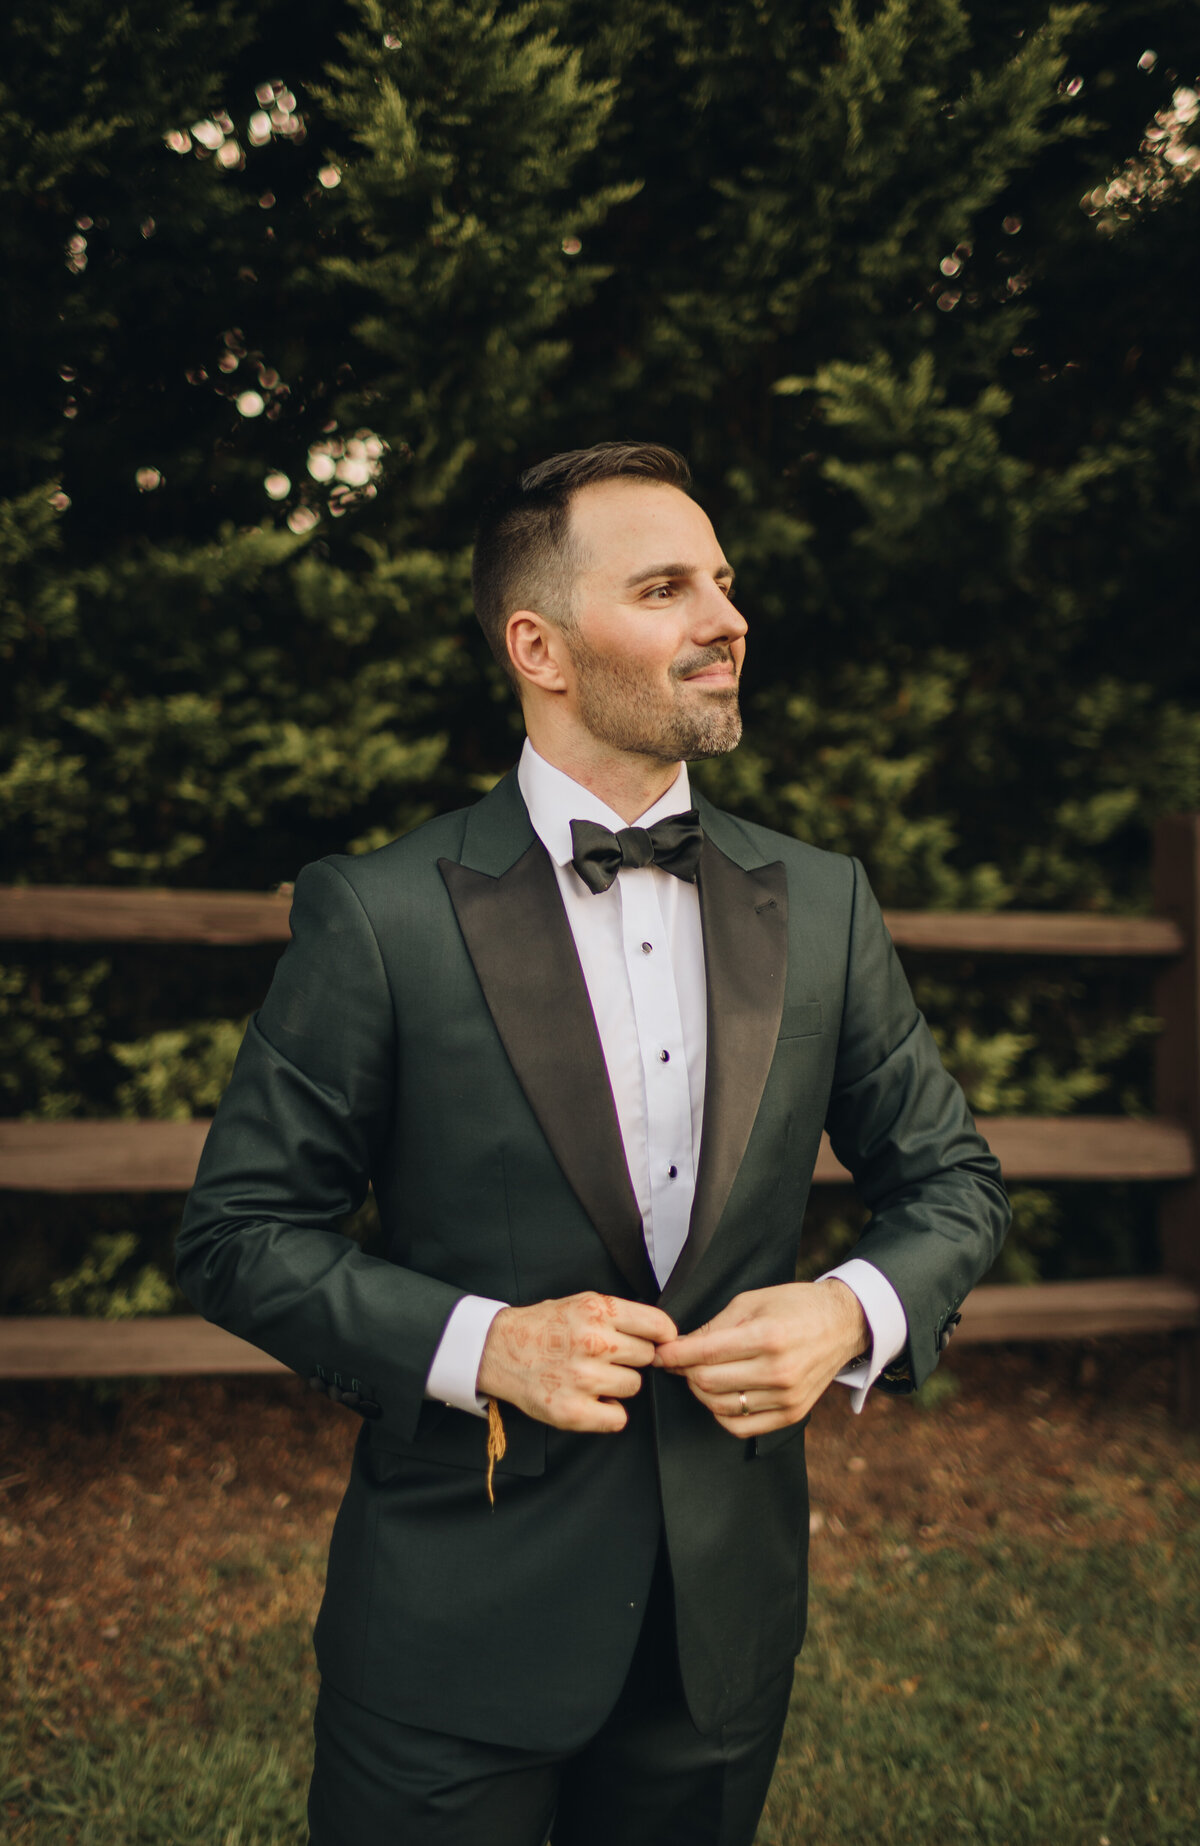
{"points": [[716, 739], [705, 752]]}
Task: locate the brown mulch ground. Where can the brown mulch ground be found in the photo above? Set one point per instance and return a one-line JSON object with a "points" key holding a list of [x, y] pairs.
{"points": [[111, 1519]]}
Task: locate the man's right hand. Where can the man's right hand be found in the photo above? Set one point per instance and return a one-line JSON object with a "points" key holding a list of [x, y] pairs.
{"points": [[565, 1362]]}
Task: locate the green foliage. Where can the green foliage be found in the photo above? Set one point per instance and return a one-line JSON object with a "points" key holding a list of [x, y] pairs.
{"points": [[179, 1074], [911, 285], [247, 654], [466, 125], [50, 1037], [1037, 1044], [1037, 1217], [105, 1286]]}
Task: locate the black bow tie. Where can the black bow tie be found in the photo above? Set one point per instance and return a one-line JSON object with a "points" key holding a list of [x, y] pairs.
{"points": [[672, 844]]}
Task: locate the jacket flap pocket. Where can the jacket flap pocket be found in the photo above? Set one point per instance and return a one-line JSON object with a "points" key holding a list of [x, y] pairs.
{"points": [[775, 1438], [801, 1020], [454, 1439]]}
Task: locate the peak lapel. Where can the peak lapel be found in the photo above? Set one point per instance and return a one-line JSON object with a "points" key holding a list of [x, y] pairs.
{"points": [[507, 902], [743, 914]]}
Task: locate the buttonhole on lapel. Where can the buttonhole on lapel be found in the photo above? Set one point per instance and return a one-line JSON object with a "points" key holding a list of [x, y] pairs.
{"points": [[769, 905]]}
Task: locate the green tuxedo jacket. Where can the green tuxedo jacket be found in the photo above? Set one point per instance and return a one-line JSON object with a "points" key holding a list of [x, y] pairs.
{"points": [[428, 1032]]}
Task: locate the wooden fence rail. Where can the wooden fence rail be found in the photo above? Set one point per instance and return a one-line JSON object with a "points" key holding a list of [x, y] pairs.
{"points": [[150, 1156], [161, 1156], [83, 913]]}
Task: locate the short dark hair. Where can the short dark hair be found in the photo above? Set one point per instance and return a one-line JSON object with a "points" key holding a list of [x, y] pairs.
{"points": [[524, 557]]}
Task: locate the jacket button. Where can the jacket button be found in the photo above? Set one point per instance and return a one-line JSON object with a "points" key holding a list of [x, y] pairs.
{"points": [[367, 1407], [952, 1321]]}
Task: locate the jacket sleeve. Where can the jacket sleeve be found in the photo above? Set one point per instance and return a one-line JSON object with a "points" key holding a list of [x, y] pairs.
{"points": [[900, 1124], [290, 1152]]}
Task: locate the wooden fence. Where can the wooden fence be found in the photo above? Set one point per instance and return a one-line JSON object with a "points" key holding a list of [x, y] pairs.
{"points": [[147, 1156]]}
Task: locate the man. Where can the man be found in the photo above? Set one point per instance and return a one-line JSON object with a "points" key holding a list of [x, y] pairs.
{"points": [[582, 1039]]}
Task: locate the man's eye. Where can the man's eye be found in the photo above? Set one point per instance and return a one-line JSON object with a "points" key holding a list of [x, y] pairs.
{"points": [[667, 587]]}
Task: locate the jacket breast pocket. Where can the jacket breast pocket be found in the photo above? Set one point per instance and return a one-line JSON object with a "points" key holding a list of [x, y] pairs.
{"points": [[453, 1439], [801, 1020]]}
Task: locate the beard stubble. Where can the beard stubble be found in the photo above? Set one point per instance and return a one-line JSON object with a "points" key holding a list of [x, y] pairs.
{"points": [[618, 708]]}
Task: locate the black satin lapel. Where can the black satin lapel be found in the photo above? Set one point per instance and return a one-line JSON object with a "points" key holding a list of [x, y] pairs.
{"points": [[519, 940], [744, 919]]}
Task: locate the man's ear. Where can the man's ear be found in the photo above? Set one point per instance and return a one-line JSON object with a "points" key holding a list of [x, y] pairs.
{"points": [[537, 650]]}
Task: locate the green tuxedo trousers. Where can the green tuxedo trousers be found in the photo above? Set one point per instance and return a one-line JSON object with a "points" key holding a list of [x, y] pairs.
{"points": [[648, 1777]]}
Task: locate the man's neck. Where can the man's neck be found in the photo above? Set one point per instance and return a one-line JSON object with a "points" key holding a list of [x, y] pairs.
{"points": [[627, 784]]}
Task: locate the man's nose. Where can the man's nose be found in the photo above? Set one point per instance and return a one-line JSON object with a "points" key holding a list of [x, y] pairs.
{"points": [[720, 619]]}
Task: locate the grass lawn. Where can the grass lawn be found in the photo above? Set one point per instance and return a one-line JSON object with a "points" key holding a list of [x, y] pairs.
{"points": [[1004, 1640]]}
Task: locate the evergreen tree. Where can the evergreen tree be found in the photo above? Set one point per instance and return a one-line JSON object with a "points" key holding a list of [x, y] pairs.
{"points": [[235, 666], [910, 283]]}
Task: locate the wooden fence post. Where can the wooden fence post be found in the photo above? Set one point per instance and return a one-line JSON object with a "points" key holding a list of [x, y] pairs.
{"points": [[1177, 1068]]}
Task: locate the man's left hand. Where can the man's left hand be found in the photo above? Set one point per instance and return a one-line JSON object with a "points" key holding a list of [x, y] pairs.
{"points": [[763, 1361]]}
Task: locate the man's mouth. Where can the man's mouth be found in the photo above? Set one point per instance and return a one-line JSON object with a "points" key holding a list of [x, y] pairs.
{"points": [[713, 673]]}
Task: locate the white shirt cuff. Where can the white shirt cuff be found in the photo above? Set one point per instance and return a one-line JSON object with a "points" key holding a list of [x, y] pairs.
{"points": [[886, 1320], [451, 1378]]}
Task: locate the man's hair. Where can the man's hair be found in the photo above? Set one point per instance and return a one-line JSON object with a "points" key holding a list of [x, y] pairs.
{"points": [[525, 555]]}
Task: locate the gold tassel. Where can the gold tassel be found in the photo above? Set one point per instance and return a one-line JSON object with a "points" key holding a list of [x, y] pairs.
{"points": [[496, 1444]]}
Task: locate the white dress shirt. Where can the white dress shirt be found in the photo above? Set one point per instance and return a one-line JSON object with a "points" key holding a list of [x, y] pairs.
{"points": [[641, 950]]}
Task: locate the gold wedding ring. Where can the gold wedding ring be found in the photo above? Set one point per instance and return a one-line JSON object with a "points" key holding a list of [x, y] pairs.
{"points": [[743, 1403]]}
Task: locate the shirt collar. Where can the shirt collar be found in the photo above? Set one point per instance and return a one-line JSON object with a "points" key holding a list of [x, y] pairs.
{"points": [[554, 800]]}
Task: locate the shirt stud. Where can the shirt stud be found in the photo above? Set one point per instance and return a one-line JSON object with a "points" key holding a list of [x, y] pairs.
{"points": [[664, 1057], [647, 948]]}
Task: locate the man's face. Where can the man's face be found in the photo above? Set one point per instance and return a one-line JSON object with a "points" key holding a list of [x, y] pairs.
{"points": [[657, 644]]}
